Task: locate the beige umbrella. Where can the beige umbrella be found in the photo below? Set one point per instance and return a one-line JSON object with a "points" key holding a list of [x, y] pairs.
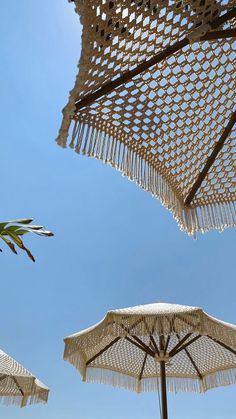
{"points": [[19, 386], [155, 97], [179, 348]]}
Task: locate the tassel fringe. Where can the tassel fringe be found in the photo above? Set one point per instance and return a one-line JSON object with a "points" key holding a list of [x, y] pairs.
{"points": [[22, 401], [93, 142], [174, 384]]}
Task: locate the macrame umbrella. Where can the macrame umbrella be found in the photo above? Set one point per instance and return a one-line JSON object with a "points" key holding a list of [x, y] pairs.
{"points": [[155, 98], [19, 386], [179, 348]]}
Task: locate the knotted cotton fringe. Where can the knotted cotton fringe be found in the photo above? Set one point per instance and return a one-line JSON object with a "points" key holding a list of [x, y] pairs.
{"points": [[91, 141], [146, 385], [152, 384], [22, 401]]}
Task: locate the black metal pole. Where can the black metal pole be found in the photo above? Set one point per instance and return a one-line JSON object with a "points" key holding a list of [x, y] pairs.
{"points": [[163, 390]]}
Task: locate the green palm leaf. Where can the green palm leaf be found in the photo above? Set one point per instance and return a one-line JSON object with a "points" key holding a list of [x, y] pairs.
{"points": [[11, 233]]}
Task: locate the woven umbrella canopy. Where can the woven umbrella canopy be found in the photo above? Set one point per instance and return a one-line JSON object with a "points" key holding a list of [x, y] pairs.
{"points": [[179, 348], [155, 98], [17, 385]]}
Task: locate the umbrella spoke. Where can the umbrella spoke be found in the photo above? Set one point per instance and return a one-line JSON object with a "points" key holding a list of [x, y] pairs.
{"points": [[128, 330], [223, 345], [187, 321], [18, 385], [152, 340], [173, 351], [226, 33], [154, 344], [211, 159], [166, 345], [143, 366], [133, 325], [103, 350], [3, 377], [145, 358], [136, 344], [162, 342], [192, 361], [139, 341], [176, 351], [167, 52], [140, 344]]}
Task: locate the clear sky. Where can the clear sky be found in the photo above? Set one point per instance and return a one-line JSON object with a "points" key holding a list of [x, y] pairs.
{"points": [[114, 246]]}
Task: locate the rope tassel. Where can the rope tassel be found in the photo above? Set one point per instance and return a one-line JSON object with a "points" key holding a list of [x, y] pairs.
{"points": [[93, 142]]}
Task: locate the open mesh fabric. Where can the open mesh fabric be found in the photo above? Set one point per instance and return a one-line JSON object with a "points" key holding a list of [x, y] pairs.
{"points": [[121, 363], [159, 128], [19, 386]]}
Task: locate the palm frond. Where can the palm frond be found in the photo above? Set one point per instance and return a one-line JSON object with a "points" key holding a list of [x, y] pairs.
{"points": [[11, 233]]}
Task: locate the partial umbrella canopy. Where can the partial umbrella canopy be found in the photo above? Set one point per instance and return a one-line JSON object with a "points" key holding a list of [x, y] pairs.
{"points": [[17, 385], [142, 348], [155, 97]]}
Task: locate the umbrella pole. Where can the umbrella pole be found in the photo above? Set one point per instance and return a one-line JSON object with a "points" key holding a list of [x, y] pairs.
{"points": [[163, 390]]}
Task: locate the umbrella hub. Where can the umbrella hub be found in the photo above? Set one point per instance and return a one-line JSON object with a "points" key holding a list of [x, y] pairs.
{"points": [[162, 356]]}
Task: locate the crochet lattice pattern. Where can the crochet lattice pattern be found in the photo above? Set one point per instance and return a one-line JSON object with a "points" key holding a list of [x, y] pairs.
{"points": [[160, 127], [106, 352]]}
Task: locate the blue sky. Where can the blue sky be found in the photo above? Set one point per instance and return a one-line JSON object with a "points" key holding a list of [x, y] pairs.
{"points": [[114, 245]]}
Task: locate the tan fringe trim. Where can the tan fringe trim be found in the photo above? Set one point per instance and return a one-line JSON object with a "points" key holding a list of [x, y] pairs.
{"points": [[77, 360], [93, 142], [127, 382], [220, 378], [22, 401], [174, 384]]}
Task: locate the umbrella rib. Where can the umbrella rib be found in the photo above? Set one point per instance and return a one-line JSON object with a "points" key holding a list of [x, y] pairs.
{"points": [[18, 385], [141, 345], [185, 320], [226, 33], [162, 343], [211, 159], [175, 352], [192, 361], [128, 330], [128, 76], [166, 345], [144, 346], [152, 340], [103, 350], [3, 377], [142, 369], [136, 344], [223, 345], [116, 340], [154, 344], [145, 357], [133, 325]]}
